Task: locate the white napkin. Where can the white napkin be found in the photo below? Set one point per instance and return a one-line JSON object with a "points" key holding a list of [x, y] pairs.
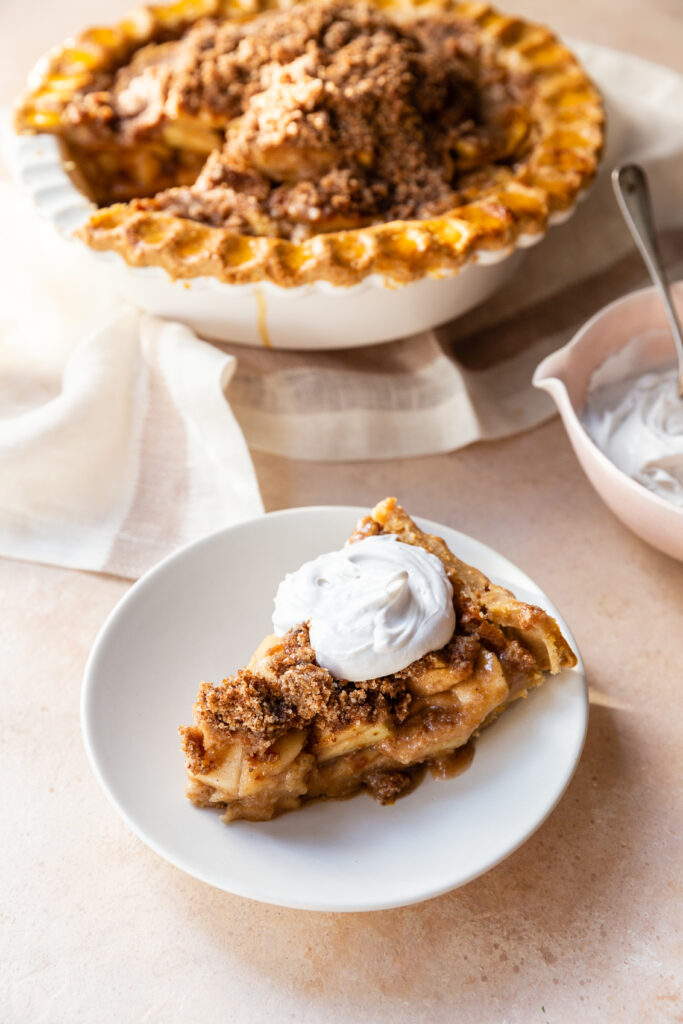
{"points": [[117, 444]]}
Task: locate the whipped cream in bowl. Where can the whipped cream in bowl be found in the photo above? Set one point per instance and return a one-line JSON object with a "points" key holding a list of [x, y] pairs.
{"points": [[372, 608], [638, 423], [612, 384]]}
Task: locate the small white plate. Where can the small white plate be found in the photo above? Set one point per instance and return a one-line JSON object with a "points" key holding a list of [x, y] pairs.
{"points": [[198, 615]]}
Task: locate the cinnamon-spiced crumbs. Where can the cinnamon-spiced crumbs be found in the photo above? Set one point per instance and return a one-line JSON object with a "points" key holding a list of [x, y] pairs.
{"points": [[327, 116], [289, 690], [196, 755]]}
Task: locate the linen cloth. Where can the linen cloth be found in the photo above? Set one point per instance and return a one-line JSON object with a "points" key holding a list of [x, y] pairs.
{"points": [[123, 437], [116, 442]]}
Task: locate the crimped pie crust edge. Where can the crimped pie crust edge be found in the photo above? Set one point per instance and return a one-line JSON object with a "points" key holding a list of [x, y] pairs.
{"points": [[567, 110]]}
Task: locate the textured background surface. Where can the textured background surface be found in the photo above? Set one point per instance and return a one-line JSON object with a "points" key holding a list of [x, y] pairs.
{"points": [[580, 924]]}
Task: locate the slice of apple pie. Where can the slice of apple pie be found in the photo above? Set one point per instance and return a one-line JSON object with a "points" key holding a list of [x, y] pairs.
{"points": [[301, 721]]}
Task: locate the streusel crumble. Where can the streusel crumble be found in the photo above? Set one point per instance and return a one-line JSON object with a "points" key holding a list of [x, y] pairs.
{"points": [[330, 140], [330, 116]]}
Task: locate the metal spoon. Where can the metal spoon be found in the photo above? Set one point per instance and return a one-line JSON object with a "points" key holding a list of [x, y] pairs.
{"points": [[633, 195]]}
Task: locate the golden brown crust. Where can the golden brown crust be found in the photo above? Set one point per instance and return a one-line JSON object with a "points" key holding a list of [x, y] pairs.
{"points": [[283, 730], [564, 107]]}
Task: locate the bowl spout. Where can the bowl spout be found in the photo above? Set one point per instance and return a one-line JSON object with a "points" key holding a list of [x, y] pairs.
{"points": [[549, 377]]}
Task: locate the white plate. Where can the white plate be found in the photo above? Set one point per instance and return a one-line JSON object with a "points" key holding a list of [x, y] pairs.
{"points": [[198, 615]]}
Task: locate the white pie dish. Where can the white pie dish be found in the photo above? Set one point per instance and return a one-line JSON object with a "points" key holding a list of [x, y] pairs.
{"points": [[198, 615], [313, 316]]}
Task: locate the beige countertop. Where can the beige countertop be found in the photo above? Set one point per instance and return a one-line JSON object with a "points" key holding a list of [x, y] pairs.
{"points": [[578, 925]]}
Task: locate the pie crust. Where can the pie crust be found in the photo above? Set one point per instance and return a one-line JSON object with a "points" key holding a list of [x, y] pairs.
{"points": [[509, 201], [283, 731]]}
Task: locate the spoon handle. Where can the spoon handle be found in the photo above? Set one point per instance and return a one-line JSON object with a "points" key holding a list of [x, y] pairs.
{"points": [[633, 195]]}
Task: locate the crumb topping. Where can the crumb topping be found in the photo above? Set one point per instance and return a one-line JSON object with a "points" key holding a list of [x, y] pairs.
{"points": [[326, 116], [197, 757], [289, 690]]}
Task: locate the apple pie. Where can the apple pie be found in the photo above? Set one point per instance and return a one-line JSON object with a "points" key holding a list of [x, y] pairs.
{"points": [[284, 730], [252, 139]]}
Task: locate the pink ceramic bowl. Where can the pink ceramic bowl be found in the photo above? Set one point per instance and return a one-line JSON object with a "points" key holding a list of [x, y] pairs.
{"points": [[566, 375]]}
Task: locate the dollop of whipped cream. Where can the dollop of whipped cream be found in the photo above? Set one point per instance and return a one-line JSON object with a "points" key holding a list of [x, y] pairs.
{"points": [[372, 608], [638, 423]]}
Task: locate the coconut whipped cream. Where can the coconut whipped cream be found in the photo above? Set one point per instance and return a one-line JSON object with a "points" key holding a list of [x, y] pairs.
{"points": [[638, 423], [372, 608]]}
